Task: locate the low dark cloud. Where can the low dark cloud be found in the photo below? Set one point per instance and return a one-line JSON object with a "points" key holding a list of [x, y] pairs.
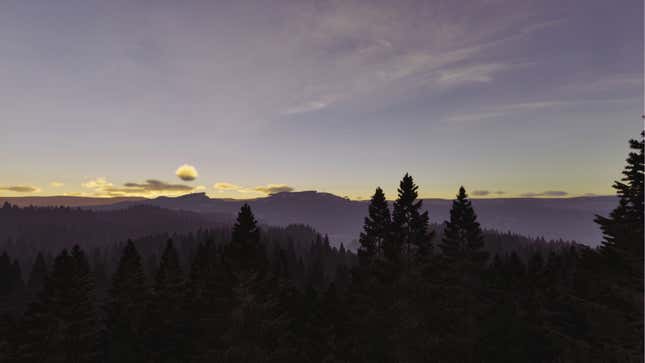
{"points": [[273, 188], [20, 188], [150, 186], [548, 193], [482, 193]]}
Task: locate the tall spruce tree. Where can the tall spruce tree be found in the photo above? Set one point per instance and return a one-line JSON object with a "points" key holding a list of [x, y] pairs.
{"points": [[38, 273], [410, 232], [6, 275], [60, 326], [376, 229], [167, 313], [125, 309], [622, 250], [245, 251], [462, 238], [623, 229], [209, 300], [17, 282]]}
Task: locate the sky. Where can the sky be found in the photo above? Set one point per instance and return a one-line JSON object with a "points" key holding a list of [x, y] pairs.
{"points": [[506, 97]]}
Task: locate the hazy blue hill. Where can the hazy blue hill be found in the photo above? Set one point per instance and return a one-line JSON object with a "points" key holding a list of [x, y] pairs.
{"points": [[65, 200], [52, 228], [552, 218]]}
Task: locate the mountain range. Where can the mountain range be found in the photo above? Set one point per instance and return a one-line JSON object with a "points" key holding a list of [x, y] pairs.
{"points": [[342, 218]]}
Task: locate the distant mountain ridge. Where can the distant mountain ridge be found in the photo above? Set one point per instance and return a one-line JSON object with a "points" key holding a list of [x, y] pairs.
{"points": [[342, 219], [65, 200]]}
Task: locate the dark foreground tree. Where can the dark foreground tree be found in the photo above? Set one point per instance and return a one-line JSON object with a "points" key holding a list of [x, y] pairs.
{"points": [[126, 309], [462, 238], [61, 326], [623, 229], [38, 274], [411, 237], [245, 252], [167, 319], [376, 229], [209, 301], [611, 281], [256, 325]]}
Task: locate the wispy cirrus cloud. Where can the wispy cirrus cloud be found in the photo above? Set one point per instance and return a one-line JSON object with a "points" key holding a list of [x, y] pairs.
{"points": [[472, 73], [307, 107], [548, 193], [499, 111], [483, 193]]}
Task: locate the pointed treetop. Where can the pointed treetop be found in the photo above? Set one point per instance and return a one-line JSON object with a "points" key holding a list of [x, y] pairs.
{"points": [[245, 229], [376, 228], [169, 272], [463, 239]]}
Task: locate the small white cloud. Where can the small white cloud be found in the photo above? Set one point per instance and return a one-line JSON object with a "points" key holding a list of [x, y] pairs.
{"points": [[97, 183], [200, 187], [186, 172], [56, 184]]}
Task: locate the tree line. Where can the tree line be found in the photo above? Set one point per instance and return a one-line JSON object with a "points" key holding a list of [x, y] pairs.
{"points": [[410, 294]]}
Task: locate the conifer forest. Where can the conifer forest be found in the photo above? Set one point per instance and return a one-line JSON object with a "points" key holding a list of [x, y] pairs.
{"points": [[406, 290]]}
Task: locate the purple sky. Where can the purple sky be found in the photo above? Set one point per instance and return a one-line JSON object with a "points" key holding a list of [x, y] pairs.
{"points": [[520, 97]]}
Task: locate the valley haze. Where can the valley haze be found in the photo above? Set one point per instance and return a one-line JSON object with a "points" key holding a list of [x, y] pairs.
{"points": [[342, 218]]}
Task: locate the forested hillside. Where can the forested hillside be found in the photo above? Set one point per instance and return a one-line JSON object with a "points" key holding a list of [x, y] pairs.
{"points": [[412, 292]]}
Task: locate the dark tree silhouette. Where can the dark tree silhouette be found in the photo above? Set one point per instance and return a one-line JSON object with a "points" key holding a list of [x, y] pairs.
{"points": [[245, 251], [410, 232], [210, 302], [126, 308], [537, 300], [376, 229], [10, 275], [167, 312], [463, 240], [61, 325], [38, 273], [623, 229]]}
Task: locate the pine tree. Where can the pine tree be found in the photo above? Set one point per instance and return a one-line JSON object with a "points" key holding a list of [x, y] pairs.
{"points": [[38, 274], [60, 326], [209, 300], [622, 250], [167, 315], [376, 229], [83, 327], [410, 234], [125, 309], [462, 239], [17, 282], [245, 251], [623, 230], [5, 275]]}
